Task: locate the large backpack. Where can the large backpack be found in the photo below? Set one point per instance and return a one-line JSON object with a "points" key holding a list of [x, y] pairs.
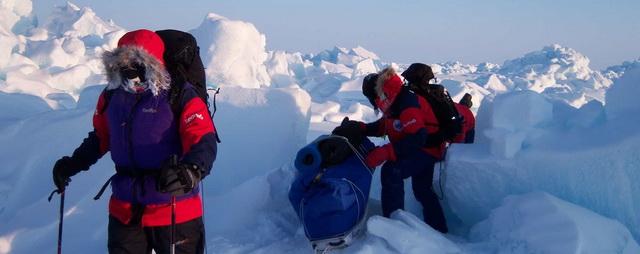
{"points": [[449, 119], [183, 62]]}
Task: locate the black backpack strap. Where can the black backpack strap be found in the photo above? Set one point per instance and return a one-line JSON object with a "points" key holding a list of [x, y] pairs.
{"points": [[215, 108], [104, 187], [176, 93]]}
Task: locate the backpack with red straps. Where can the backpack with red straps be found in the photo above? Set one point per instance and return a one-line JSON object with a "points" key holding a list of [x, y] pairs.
{"points": [[450, 121]]}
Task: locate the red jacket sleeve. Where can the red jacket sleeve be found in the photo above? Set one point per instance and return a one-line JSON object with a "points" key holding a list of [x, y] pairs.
{"points": [[197, 134], [100, 125]]}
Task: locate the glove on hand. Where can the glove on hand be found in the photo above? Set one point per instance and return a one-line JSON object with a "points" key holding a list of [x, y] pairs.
{"points": [[178, 179], [379, 155], [352, 130], [64, 168]]}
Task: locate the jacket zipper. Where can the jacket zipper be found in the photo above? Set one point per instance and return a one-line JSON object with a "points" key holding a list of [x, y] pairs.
{"points": [[130, 131]]}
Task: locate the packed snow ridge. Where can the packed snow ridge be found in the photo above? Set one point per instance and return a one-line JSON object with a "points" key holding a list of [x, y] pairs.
{"points": [[553, 169]]}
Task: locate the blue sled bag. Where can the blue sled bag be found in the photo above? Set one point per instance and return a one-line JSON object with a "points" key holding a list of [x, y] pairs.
{"points": [[331, 190]]}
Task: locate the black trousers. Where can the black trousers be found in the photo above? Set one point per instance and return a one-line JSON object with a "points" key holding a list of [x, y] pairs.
{"points": [[135, 239], [420, 169]]}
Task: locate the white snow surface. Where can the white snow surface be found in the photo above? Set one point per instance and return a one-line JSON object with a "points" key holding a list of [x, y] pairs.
{"points": [[57, 60], [553, 169], [577, 155], [560, 72], [540, 223]]}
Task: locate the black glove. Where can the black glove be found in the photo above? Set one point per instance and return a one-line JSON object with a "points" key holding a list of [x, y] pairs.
{"points": [[64, 168], [352, 130], [178, 179]]}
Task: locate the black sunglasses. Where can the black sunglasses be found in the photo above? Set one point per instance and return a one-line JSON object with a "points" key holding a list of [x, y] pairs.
{"points": [[133, 71]]}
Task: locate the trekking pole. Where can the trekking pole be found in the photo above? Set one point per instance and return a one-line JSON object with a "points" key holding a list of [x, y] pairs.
{"points": [[174, 163], [173, 224], [61, 217], [204, 232]]}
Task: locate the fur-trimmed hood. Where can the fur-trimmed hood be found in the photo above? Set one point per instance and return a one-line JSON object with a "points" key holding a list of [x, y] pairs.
{"points": [[134, 48], [388, 86]]}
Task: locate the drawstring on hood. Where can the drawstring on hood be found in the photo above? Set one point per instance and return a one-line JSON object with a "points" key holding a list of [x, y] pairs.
{"points": [[137, 64]]}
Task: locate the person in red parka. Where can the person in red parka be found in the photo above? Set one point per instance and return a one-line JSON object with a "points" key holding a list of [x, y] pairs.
{"points": [[160, 155], [469, 125], [407, 121]]}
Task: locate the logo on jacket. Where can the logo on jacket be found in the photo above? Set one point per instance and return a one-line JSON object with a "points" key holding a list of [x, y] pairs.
{"points": [[149, 110], [398, 126], [194, 116]]}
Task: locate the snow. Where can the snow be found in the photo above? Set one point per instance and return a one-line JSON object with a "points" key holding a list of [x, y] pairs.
{"points": [[615, 72], [343, 56], [233, 52], [454, 67], [575, 155], [622, 97], [72, 21], [61, 57], [405, 233], [246, 122], [19, 106], [553, 169], [540, 223], [516, 118], [560, 72], [15, 15]]}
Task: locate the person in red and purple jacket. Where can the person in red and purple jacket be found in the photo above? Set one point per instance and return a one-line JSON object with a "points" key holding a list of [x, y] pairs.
{"points": [[407, 121], [135, 122], [469, 125]]}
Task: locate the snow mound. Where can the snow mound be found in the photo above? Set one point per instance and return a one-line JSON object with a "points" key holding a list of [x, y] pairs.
{"points": [[488, 67], [453, 68], [15, 15], [457, 89], [344, 56], [622, 97], [73, 21], [406, 233], [285, 69], [493, 83], [615, 72], [58, 60], [526, 143], [233, 52], [19, 106], [29, 221], [540, 223], [558, 72], [260, 129], [517, 117]]}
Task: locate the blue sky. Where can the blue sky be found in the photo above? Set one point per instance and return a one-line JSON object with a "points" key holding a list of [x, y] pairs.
{"points": [[472, 31]]}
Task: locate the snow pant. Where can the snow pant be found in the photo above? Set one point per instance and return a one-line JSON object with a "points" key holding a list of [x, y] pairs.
{"points": [[420, 169], [135, 239]]}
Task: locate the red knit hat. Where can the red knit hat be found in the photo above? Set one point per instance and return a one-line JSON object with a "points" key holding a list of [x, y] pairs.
{"points": [[146, 39]]}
